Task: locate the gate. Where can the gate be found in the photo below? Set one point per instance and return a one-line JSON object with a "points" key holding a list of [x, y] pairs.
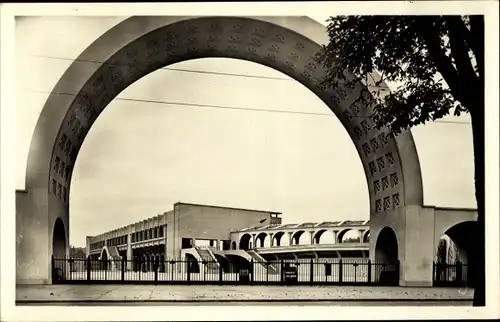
{"points": [[189, 272], [446, 274]]}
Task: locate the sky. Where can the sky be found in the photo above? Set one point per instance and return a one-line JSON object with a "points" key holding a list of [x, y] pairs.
{"points": [[139, 158]]}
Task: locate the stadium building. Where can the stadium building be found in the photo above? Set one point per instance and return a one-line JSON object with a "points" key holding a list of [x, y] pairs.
{"points": [[231, 237]]}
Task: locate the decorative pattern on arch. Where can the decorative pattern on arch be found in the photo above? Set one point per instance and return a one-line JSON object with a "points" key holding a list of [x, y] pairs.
{"points": [[141, 45]]}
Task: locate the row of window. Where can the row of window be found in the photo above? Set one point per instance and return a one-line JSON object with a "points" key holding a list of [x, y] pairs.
{"points": [[97, 245], [142, 235], [60, 191], [151, 233], [122, 240], [387, 203], [385, 182], [381, 163]]}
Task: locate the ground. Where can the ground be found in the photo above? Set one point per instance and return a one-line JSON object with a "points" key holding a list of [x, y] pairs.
{"points": [[302, 295]]}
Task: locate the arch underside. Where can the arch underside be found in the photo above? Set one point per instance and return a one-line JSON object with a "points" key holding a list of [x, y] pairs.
{"points": [[230, 37]]}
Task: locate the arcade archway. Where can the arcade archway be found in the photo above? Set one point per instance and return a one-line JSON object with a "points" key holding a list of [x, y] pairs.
{"points": [[141, 45], [59, 244], [456, 250], [386, 248], [245, 242]]}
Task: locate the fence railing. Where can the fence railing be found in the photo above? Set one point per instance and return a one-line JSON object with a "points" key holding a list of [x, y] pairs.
{"points": [[289, 272], [450, 274]]}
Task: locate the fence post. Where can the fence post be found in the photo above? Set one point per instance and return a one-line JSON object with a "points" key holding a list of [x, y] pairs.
{"points": [[459, 272], [340, 271], [369, 271], [220, 273], [397, 273], [155, 267], [311, 272], [281, 270], [124, 263], [89, 264], [53, 268], [251, 271]]}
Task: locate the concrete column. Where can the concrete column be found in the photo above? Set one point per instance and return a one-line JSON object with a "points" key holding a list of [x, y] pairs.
{"points": [[336, 236], [271, 240], [312, 237], [253, 241], [87, 244], [361, 233], [129, 252], [419, 247], [165, 240], [290, 241]]}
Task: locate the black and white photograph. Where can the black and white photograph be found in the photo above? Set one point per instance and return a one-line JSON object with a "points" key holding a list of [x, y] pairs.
{"points": [[283, 160]]}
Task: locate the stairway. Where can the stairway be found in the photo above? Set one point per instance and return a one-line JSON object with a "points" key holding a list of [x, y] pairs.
{"points": [[259, 259], [207, 256]]}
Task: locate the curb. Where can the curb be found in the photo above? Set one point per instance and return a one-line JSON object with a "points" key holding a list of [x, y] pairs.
{"points": [[240, 301]]}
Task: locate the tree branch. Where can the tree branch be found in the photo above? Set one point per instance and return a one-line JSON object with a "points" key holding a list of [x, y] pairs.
{"points": [[477, 29], [460, 53], [443, 64]]}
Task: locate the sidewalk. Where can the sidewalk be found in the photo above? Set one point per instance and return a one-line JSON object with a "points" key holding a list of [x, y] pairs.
{"points": [[175, 293]]}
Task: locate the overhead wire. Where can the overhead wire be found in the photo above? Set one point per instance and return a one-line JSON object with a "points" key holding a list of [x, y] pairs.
{"points": [[172, 103]]}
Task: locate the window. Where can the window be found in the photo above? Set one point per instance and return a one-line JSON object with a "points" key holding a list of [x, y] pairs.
{"points": [[374, 144], [67, 147], [373, 168], [59, 188], [347, 115], [390, 158], [381, 164], [56, 164], [366, 126], [385, 183], [376, 186], [62, 166], [358, 132], [65, 194], [378, 205], [366, 149], [387, 203], [395, 199], [382, 138], [394, 179], [54, 187], [62, 141]]}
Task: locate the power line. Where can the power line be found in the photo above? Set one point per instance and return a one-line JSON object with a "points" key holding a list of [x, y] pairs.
{"points": [[171, 103], [172, 69]]}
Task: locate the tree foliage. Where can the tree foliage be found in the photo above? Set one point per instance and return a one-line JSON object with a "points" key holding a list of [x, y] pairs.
{"points": [[438, 64], [436, 60]]}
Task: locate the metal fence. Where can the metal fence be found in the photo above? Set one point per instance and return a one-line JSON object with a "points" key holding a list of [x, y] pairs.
{"points": [[285, 272], [450, 274]]}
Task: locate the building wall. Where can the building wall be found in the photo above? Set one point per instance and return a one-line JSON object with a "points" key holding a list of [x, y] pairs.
{"points": [[207, 222]]}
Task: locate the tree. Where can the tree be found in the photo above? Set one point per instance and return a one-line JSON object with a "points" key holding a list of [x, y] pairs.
{"points": [[441, 252], [438, 62]]}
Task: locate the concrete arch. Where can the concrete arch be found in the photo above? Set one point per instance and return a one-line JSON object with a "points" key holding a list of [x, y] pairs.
{"points": [[386, 248], [260, 240], [277, 238], [245, 240], [342, 233], [317, 236], [296, 237], [59, 242], [141, 45], [366, 236]]}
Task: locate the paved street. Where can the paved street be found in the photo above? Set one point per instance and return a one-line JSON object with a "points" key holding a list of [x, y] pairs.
{"points": [[165, 294]]}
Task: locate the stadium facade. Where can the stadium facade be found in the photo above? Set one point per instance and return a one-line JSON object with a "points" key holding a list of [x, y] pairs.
{"points": [[223, 234]]}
